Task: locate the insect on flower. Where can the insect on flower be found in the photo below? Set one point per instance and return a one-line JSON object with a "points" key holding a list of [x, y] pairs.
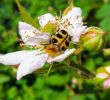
{"points": [[59, 42], [47, 48]]}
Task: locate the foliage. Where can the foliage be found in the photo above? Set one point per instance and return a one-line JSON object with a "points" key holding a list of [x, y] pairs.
{"points": [[58, 85]]}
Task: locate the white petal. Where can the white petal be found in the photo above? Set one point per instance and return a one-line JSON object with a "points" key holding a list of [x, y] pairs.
{"points": [[73, 24], [107, 69], [73, 17], [44, 19], [39, 39], [31, 64], [102, 75], [31, 36], [26, 30], [77, 33], [76, 11], [15, 58], [62, 56], [106, 83]]}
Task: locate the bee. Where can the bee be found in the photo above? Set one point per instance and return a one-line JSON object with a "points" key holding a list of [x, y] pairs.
{"points": [[59, 42]]}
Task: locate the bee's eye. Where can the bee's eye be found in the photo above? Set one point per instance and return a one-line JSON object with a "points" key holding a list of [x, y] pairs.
{"points": [[63, 31], [59, 36], [63, 48], [54, 40]]}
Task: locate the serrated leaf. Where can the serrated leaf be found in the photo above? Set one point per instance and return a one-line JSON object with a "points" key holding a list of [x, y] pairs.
{"points": [[26, 16], [50, 28]]}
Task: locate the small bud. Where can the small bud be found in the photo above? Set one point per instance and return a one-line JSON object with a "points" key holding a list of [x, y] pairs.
{"points": [[74, 81], [106, 52], [93, 39], [101, 74], [69, 8], [106, 84], [103, 77]]}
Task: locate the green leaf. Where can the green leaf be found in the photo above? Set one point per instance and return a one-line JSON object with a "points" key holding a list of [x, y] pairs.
{"points": [[84, 97], [107, 63], [12, 93], [105, 24], [57, 80], [85, 6], [106, 52], [4, 78], [101, 70], [103, 11], [26, 16], [50, 28], [89, 64]]}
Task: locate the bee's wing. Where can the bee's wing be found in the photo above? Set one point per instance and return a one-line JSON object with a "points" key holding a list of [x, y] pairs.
{"points": [[30, 35]]}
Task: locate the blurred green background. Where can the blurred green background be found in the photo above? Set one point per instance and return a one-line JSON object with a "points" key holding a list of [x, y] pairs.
{"points": [[58, 85]]}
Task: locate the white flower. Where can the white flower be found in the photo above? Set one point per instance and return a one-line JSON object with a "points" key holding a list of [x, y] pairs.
{"points": [[30, 60]]}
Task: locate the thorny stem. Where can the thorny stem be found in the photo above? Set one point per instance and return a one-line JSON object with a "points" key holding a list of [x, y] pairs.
{"points": [[83, 70]]}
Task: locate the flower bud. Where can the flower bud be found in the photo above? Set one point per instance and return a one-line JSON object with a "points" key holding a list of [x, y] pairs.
{"points": [[103, 77], [93, 39], [106, 84], [69, 8], [106, 52]]}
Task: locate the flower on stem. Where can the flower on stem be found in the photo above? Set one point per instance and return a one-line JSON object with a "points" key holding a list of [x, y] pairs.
{"points": [[29, 61], [93, 39], [103, 77]]}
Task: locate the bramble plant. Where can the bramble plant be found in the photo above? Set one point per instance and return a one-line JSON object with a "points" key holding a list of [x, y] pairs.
{"points": [[54, 42]]}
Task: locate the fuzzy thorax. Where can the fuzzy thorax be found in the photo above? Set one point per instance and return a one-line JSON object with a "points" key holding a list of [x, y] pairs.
{"points": [[52, 50]]}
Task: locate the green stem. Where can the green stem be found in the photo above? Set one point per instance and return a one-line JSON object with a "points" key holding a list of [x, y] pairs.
{"points": [[83, 70], [79, 61]]}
